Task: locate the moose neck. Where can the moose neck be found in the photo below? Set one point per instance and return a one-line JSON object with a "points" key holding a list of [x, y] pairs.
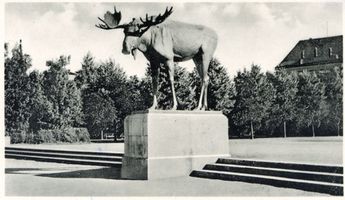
{"points": [[144, 41]]}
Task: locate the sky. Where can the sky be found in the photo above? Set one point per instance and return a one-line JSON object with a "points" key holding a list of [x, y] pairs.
{"points": [[248, 33]]}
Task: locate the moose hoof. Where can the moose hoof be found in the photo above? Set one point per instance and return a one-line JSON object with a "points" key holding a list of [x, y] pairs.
{"points": [[174, 108], [153, 108], [200, 109]]}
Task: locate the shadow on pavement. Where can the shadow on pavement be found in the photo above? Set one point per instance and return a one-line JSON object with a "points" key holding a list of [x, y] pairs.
{"points": [[20, 170], [104, 173]]}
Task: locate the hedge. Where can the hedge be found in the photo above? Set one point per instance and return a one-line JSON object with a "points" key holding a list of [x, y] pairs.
{"points": [[66, 135]]}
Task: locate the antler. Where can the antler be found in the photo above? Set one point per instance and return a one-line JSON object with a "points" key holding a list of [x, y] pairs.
{"points": [[111, 20], [150, 21]]}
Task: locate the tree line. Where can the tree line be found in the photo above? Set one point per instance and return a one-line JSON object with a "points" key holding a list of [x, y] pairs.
{"points": [[100, 95]]}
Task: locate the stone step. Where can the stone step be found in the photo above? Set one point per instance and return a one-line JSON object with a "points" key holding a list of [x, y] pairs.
{"points": [[277, 172], [64, 160], [283, 165], [66, 151], [307, 185], [66, 155]]}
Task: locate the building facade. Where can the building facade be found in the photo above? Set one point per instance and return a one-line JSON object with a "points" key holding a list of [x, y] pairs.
{"points": [[319, 55]]}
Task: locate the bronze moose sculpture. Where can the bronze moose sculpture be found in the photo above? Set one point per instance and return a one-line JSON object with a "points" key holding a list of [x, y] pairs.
{"points": [[165, 42]]}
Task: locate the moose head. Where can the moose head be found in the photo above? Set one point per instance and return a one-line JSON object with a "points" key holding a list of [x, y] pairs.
{"points": [[132, 30]]}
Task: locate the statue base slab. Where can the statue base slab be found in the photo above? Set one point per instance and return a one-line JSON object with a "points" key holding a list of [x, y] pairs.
{"points": [[164, 144]]}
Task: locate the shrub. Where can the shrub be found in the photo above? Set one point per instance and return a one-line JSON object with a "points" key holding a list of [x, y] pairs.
{"points": [[17, 136], [68, 135], [59, 135], [45, 136], [83, 134], [31, 138]]}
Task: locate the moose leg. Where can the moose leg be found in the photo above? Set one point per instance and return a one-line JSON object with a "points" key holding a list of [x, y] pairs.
{"points": [[201, 96], [170, 65], [205, 78], [198, 63], [155, 68]]}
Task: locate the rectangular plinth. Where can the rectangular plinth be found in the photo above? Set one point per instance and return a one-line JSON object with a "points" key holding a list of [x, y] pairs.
{"points": [[162, 144]]}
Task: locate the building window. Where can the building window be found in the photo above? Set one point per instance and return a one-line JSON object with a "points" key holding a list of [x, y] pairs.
{"points": [[303, 54], [316, 52], [330, 51]]}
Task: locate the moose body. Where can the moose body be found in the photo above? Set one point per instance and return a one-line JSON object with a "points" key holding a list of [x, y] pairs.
{"points": [[168, 42], [179, 41]]}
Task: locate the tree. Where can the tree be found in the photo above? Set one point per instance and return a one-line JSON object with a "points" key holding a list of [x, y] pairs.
{"points": [[62, 93], [73, 104], [6, 51], [100, 113], [138, 93], [109, 81], [40, 107], [333, 83], [17, 112], [221, 89], [88, 73], [284, 104], [113, 80], [311, 100], [185, 92], [253, 99]]}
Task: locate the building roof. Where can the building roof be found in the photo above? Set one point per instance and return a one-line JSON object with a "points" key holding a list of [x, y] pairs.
{"points": [[315, 52]]}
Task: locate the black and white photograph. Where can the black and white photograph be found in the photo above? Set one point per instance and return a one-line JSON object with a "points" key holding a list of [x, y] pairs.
{"points": [[172, 99]]}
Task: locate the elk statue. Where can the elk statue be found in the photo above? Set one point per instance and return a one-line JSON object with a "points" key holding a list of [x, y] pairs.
{"points": [[165, 42]]}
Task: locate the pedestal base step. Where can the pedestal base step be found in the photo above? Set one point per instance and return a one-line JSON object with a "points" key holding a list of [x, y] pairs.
{"points": [[316, 178], [66, 156]]}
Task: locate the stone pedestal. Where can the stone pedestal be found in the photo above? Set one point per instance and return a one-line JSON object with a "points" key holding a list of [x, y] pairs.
{"points": [[164, 144]]}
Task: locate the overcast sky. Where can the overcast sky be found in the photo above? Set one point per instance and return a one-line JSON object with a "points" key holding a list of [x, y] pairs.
{"points": [[259, 33]]}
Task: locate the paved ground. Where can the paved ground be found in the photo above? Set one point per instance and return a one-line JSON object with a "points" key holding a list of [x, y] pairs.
{"points": [[320, 150], [30, 178]]}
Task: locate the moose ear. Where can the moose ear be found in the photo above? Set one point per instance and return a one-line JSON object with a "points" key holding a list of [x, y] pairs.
{"points": [[162, 41]]}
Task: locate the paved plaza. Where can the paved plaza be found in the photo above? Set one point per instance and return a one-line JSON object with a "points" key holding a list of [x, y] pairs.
{"points": [[31, 178], [319, 150]]}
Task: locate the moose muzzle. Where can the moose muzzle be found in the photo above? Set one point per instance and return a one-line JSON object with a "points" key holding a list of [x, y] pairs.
{"points": [[133, 52]]}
